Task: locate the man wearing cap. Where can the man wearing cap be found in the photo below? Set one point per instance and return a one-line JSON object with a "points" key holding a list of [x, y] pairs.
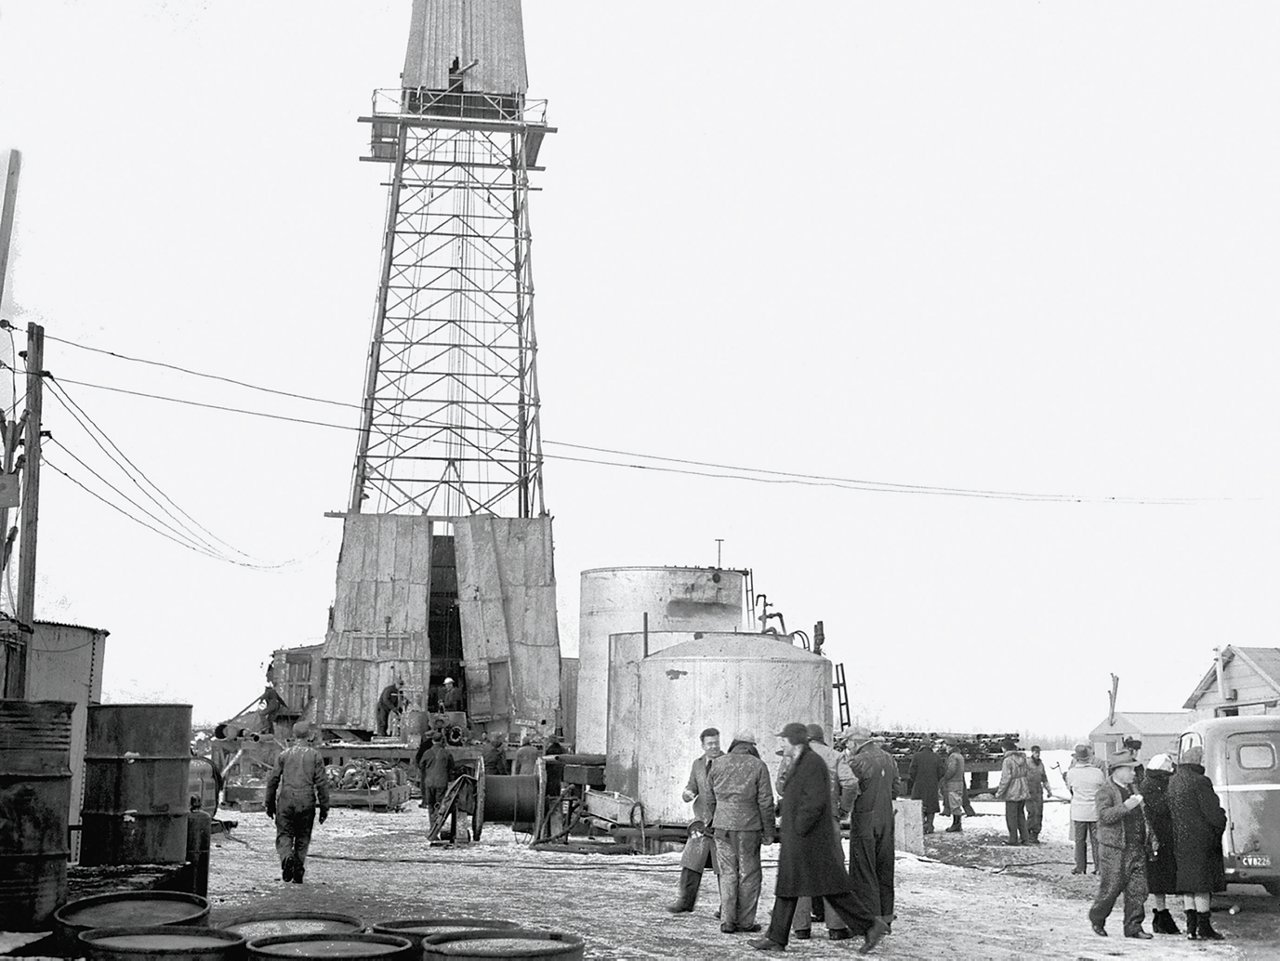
{"points": [[739, 805], [435, 770], [922, 779], [1084, 778], [844, 789], [699, 851], [388, 704], [871, 825], [953, 785], [810, 862], [450, 697], [1122, 846], [1037, 788], [297, 785]]}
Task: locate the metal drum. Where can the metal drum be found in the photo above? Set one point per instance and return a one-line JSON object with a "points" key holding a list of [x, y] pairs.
{"points": [[417, 930], [160, 944], [35, 798], [487, 945], [136, 784], [267, 924], [134, 909], [363, 947], [202, 785]]}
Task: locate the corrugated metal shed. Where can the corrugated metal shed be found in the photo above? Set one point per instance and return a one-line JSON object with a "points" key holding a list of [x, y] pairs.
{"points": [[507, 606], [489, 33]]}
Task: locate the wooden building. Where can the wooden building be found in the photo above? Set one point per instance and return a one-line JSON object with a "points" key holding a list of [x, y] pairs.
{"points": [[1242, 680], [1157, 730]]}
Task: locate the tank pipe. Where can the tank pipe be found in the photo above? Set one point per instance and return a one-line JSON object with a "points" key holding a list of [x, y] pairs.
{"points": [[646, 633]]}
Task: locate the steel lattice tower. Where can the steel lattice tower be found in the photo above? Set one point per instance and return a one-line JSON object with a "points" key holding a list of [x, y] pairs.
{"points": [[450, 424]]}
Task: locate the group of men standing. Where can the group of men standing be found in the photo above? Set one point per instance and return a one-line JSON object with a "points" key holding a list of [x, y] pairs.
{"points": [[936, 780], [735, 810]]}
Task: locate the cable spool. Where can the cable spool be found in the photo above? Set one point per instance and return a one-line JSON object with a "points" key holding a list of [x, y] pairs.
{"points": [[454, 736], [510, 798]]}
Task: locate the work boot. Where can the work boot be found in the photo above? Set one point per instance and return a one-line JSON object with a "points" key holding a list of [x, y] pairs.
{"points": [[286, 869], [1204, 922], [804, 934], [875, 934], [1138, 933], [1193, 925], [955, 824], [839, 934], [764, 944], [297, 873], [688, 896], [1162, 922]]}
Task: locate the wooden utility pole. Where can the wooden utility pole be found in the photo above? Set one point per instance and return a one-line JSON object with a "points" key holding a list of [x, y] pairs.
{"points": [[7, 206], [15, 651], [26, 613]]}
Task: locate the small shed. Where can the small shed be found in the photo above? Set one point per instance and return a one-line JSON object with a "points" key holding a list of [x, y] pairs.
{"points": [[1157, 730], [1242, 680]]}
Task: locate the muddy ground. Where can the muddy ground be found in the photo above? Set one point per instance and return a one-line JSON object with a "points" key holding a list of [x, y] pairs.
{"points": [[972, 899]]}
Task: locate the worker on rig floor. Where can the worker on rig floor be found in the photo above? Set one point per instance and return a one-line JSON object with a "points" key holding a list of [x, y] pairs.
{"points": [[296, 787]]}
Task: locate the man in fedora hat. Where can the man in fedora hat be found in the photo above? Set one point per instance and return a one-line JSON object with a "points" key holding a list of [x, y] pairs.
{"points": [[871, 824], [810, 862], [844, 787], [1122, 848], [1084, 778], [297, 785], [739, 805]]}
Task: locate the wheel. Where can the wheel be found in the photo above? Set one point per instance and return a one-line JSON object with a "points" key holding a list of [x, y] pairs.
{"points": [[1273, 888]]}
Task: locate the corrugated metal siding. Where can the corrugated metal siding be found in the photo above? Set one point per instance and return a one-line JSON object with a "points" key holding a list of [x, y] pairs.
{"points": [[507, 606], [488, 31]]}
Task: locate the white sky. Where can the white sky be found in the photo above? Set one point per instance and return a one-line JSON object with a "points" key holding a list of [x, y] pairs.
{"points": [[1001, 245]]}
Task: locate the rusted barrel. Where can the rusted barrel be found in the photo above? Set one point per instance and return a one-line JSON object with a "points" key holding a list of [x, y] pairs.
{"points": [[35, 800], [134, 909], [160, 944], [417, 930], [136, 784], [265, 924], [382, 947], [488, 945]]}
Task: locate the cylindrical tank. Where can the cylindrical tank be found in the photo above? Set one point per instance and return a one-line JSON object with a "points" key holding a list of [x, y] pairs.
{"points": [[488, 945], [615, 600], [136, 786], [417, 929], [733, 682], [335, 944], [129, 909], [266, 924], [160, 944], [35, 798], [202, 784]]}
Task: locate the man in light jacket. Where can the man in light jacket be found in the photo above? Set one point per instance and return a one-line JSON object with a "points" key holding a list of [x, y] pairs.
{"points": [[296, 787], [1084, 778], [699, 852], [953, 785], [1014, 791], [739, 802], [1122, 845]]}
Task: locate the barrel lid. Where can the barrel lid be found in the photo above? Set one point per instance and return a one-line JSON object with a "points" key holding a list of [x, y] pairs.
{"points": [[132, 908], [499, 944], [162, 940], [334, 944], [426, 926], [265, 924]]}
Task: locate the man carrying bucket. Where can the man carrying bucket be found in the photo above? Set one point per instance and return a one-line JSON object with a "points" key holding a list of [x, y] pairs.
{"points": [[296, 787]]}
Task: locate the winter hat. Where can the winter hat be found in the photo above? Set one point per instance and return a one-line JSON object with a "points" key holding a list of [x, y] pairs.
{"points": [[816, 733], [1192, 755], [795, 732], [1082, 752], [1161, 762], [744, 737]]}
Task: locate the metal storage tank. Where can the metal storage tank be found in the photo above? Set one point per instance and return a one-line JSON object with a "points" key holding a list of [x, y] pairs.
{"points": [[614, 600], [755, 682]]}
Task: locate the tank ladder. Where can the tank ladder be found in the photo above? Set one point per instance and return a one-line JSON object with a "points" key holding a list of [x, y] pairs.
{"points": [[842, 698]]}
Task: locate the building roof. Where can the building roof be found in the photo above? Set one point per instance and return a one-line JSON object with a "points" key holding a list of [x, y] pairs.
{"points": [[1263, 661], [41, 622], [1146, 722]]}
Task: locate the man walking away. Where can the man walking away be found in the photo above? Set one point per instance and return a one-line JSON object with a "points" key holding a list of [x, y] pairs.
{"points": [[1162, 866], [922, 781], [1198, 823], [435, 766], [1037, 788], [388, 704], [1122, 844], [1014, 791], [844, 787], [699, 851], [526, 755], [297, 785], [871, 824], [810, 862], [1084, 778], [953, 785], [740, 810], [494, 754]]}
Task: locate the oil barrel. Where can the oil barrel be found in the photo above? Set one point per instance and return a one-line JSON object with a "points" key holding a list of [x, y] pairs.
{"points": [[335, 944], [136, 784], [265, 924], [133, 909], [202, 784], [35, 797], [488, 945], [160, 944], [417, 929]]}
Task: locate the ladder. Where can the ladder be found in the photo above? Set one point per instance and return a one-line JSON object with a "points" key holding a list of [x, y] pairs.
{"points": [[842, 698]]}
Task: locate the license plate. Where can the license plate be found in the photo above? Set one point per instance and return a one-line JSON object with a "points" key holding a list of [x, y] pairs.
{"points": [[1255, 860]]}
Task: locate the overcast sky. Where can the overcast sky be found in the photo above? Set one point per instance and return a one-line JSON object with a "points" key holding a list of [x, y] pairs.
{"points": [[1013, 246]]}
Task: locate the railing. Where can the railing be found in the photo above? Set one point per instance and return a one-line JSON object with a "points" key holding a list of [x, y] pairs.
{"points": [[420, 101]]}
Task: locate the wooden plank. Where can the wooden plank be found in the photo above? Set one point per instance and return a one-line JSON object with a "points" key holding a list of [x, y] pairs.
{"points": [[7, 210], [386, 560]]}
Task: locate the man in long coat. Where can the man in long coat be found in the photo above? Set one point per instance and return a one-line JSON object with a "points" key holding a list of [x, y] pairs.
{"points": [[810, 862], [1162, 865], [739, 805], [1198, 823], [1122, 849], [296, 787], [953, 786], [699, 850], [871, 824], [844, 788], [922, 781]]}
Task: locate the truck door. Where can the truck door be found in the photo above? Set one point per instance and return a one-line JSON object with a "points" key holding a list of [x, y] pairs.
{"points": [[1252, 800]]}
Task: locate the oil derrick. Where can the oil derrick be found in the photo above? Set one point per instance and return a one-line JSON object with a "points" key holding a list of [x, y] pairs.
{"points": [[446, 560]]}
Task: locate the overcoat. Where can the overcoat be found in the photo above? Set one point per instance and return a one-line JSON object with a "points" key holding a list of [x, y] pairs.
{"points": [[1198, 823], [811, 861], [924, 775], [1162, 866]]}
